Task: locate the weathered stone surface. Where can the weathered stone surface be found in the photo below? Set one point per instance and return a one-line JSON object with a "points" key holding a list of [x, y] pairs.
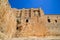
{"points": [[38, 24], [27, 22], [35, 25], [7, 19]]}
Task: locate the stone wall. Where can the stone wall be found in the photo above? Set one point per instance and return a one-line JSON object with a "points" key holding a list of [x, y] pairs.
{"points": [[27, 22], [33, 22], [7, 19]]}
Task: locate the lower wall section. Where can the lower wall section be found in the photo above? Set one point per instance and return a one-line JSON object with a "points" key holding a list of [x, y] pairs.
{"points": [[37, 38]]}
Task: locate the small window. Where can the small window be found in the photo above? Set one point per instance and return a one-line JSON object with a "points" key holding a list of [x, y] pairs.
{"points": [[17, 28], [18, 22], [29, 13], [39, 12], [56, 21], [27, 20], [49, 20]]}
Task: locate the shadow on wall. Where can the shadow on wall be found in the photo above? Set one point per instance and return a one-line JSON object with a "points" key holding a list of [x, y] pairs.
{"points": [[49, 6]]}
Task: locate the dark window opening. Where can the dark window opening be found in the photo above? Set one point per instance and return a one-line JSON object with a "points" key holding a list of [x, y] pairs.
{"points": [[29, 13], [39, 12], [56, 21], [49, 20], [26, 20], [17, 28], [34, 10], [18, 22]]}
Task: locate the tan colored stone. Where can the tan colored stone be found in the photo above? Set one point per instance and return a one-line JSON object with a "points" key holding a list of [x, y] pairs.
{"points": [[7, 20], [27, 22]]}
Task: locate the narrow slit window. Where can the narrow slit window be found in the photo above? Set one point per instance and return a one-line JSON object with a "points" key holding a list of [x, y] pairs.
{"points": [[39, 12], [49, 20], [17, 28], [29, 13], [56, 21]]}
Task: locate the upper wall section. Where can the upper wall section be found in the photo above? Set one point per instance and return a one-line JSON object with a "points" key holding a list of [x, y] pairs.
{"points": [[29, 12], [49, 6]]}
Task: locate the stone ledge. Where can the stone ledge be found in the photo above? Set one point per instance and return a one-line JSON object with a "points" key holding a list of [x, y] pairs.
{"points": [[37, 38]]}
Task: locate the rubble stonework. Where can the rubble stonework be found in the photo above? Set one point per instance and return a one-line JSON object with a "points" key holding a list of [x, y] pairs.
{"points": [[33, 25], [33, 22], [7, 19], [27, 22]]}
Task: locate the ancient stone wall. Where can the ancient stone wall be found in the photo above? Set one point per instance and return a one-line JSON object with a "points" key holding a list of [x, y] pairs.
{"points": [[33, 22], [27, 22], [30, 22], [53, 24], [7, 19]]}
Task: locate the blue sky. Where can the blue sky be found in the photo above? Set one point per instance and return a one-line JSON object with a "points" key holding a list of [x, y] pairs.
{"points": [[48, 6]]}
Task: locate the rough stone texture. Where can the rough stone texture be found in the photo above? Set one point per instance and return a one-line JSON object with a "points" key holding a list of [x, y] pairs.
{"points": [[7, 19], [27, 22], [53, 25], [33, 22], [33, 25]]}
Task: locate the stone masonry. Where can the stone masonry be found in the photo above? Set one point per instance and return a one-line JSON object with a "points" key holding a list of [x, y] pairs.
{"points": [[27, 22]]}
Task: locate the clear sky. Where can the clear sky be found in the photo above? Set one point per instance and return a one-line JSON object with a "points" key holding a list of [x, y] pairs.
{"points": [[48, 6]]}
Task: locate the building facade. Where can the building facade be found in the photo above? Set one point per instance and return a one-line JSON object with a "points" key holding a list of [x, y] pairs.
{"points": [[27, 22]]}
